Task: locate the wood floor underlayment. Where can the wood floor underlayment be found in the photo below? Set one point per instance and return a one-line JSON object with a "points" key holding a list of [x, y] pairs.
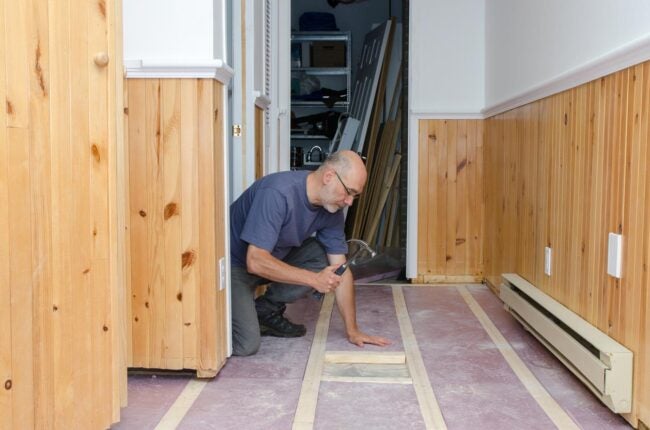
{"points": [[457, 360]]}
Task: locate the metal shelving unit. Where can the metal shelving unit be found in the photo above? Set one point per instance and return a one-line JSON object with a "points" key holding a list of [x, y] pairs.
{"points": [[335, 78]]}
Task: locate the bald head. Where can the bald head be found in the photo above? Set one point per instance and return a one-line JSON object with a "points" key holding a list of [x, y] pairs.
{"points": [[346, 162], [337, 181]]}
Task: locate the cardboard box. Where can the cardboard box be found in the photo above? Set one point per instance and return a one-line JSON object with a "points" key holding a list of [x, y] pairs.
{"points": [[328, 54]]}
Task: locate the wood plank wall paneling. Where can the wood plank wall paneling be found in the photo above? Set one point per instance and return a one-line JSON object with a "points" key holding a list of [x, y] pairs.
{"points": [[451, 204], [259, 142], [221, 222], [564, 172], [59, 278], [177, 224]]}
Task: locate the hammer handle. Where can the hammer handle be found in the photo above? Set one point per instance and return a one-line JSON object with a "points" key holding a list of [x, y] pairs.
{"points": [[341, 269]]}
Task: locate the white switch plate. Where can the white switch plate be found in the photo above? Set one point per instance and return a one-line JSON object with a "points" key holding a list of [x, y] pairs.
{"points": [[222, 273], [547, 261], [615, 255]]}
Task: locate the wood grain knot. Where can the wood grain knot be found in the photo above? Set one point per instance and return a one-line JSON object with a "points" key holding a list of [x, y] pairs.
{"points": [[105, 328], [136, 319], [86, 271], [8, 384], [187, 259], [448, 257], [55, 308], [179, 296], [101, 5], [39, 69], [126, 111], [188, 324], [142, 213], [146, 305], [170, 210], [459, 241], [10, 108], [95, 151], [433, 137], [461, 165]]}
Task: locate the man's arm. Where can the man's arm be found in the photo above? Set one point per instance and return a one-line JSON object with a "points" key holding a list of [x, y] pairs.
{"points": [[260, 262], [345, 301]]}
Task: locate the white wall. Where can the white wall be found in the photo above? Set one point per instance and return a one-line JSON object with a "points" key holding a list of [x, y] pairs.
{"points": [[172, 29], [529, 43], [447, 56]]}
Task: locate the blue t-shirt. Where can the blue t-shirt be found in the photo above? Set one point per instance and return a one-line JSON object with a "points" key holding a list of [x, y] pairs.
{"points": [[274, 214]]}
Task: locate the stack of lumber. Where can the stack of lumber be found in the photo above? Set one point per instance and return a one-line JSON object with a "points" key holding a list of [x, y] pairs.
{"points": [[374, 217]]}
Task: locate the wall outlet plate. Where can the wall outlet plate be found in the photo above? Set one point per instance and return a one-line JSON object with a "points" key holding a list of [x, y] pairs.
{"points": [[547, 261], [615, 255]]}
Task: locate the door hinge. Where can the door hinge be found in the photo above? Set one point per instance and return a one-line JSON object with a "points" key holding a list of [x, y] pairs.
{"points": [[236, 130]]}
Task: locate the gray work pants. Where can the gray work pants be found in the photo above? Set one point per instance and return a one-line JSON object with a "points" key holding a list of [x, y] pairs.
{"points": [[245, 326]]}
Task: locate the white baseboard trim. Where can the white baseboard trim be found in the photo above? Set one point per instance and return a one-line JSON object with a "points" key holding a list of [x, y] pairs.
{"points": [[152, 68], [625, 56]]}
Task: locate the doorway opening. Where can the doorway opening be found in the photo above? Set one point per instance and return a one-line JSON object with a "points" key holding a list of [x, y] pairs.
{"points": [[348, 89]]}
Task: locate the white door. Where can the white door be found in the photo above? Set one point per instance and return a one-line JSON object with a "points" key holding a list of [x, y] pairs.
{"points": [[260, 58], [242, 144], [279, 65]]}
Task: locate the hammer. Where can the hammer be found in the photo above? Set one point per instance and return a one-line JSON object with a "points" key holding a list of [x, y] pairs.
{"points": [[363, 247]]}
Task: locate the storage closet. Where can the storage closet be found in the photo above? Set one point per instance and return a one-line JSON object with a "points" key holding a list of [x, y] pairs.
{"points": [[346, 93]]}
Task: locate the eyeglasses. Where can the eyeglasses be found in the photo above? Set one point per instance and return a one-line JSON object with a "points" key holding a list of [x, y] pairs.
{"points": [[347, 190]]}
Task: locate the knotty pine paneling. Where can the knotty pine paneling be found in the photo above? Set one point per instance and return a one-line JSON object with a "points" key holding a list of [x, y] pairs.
{"points": [[177, 224], [564, 172], [450, 200], [60, 300], [259, 142]]}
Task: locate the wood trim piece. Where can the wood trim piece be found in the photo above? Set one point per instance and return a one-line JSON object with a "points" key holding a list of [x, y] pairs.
{"points": [[367, 373], [429, 407], [181, 405], [368, 379], [369, 357], [167, 69], [306, 410], [262, 101], [448, 279], [426, 114], [552, 409]]}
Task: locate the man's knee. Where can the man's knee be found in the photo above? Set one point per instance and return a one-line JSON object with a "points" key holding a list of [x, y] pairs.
{"points": [[246, 348]]}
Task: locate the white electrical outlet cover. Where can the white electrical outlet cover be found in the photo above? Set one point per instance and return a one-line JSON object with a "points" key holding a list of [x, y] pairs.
{"points": [[547, 261], [615, 255]]}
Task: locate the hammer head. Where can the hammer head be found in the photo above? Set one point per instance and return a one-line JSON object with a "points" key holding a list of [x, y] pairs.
{"points": [[363, 246]]}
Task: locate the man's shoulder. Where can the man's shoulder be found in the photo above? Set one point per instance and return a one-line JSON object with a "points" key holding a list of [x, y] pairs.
{"points": [[284, 180], [296, 175]]}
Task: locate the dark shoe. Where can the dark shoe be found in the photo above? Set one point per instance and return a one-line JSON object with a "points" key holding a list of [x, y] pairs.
{"points": [[275, 324]]}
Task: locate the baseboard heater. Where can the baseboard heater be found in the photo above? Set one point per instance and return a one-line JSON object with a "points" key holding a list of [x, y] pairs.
{"points": [[601, 363]]}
